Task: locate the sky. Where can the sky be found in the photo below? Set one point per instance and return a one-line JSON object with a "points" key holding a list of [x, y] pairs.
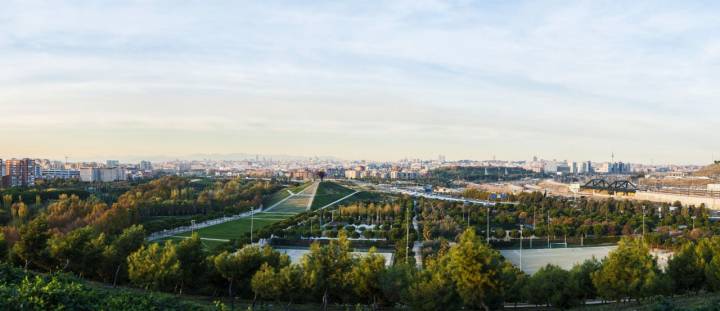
{"points": [[373, 80]]}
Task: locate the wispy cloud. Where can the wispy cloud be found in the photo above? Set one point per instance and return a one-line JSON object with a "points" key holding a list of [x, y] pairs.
{"points": [[462, 78]]}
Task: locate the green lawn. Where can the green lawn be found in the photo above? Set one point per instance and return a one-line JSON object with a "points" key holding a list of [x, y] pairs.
{"points": [[237, 229], [282, 194], [276, 197], [329, 192], [234, 229], [301, 187]]}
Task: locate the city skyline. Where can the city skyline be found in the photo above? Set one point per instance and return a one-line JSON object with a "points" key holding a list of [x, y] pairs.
{"points": [[357, 80]]}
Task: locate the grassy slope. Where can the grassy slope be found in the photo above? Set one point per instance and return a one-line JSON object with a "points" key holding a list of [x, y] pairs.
{"points": [[276, 197], [282, 194], [329, 192], [299, 188], [239, 228]]}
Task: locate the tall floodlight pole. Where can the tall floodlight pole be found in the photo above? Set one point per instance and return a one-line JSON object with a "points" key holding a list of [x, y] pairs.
{"points": [[407, 234], [548, 228], [521, 241], [252, 222], [468, 216], [643, 224], [487, 224]]}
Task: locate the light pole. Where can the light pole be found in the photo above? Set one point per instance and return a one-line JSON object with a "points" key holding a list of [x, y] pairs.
{"points": [[548, 229], [487, 224], [252, 222], [521, 241], [407, 234], [643, 224]]}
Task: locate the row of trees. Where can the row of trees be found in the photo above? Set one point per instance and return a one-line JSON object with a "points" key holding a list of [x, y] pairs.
{"points": [[572, 217]]}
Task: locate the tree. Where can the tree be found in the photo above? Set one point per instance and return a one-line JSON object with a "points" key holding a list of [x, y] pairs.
{"points": [[327, 268], [431, 288], [7, 201], [475, 269], [115, 254], [514, 282], [283, 284], [3, 247], [551, 285], [79, 251], [395, 281], [155, 268], [266, 283], [628, 272], [365, 276], [581, 277], [192, 260], [22, 211], [686, 270], [243, 264], [31, 248]]}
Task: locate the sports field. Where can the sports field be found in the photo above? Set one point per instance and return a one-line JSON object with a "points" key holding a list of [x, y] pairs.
{"points": [[566, 258], [283, 209]]}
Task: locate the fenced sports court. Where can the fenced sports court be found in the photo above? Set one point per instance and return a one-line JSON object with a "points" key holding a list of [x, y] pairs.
{"points": [[566, 258]]}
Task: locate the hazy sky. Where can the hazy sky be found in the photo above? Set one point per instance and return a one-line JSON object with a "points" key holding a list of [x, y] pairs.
{"points": [[361, 79]]}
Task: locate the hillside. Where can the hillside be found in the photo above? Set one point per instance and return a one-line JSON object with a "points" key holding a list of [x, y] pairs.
{"points": [[712, 170]]}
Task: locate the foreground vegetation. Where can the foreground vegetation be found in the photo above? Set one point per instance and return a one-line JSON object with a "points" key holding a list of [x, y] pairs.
{"points": [[102, 242], [20, 290]]}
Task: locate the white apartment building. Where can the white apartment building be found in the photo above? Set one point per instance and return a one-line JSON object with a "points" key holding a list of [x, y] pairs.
{"points": [[105, 174]]}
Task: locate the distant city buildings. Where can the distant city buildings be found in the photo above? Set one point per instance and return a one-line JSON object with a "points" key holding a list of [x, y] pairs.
{"points": [[102, 174], [60, 173], [26, 171], [557, 168], [19, 172], [145, 166]]}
